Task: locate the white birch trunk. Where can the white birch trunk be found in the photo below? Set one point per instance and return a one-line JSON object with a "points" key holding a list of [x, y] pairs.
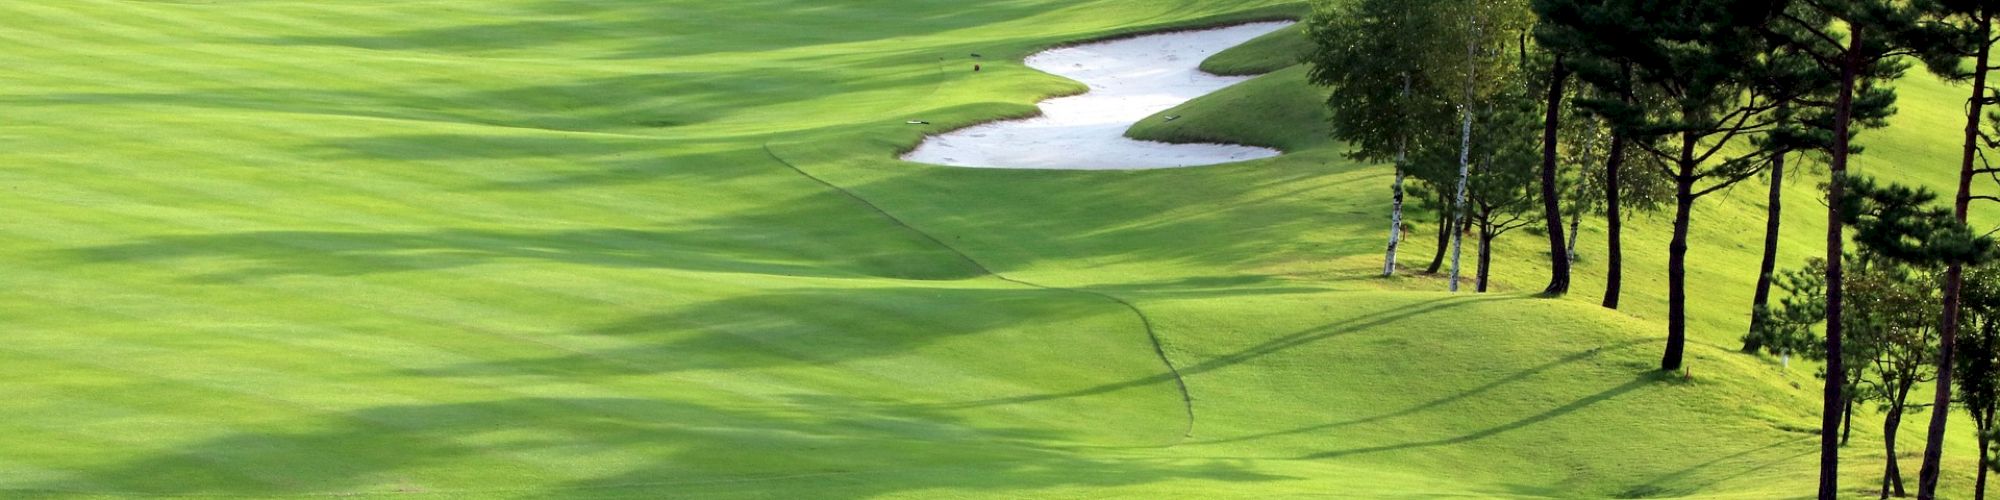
{"points": [[1458, 207], [1396, 205], [1575, 220], [1464, 147], [1395, 221]]}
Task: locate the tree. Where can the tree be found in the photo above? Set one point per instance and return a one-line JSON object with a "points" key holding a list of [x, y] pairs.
{"points": [[1905, 227], [1706, 61], [1499, 188], [1774, 207], [1619, 193], [1383, 97], [1860, 43], [1433, 199], [1788, 330], [1901, 237], [1970, 22], [1631, 184], [1892, 315], [1892, 334], [1559, 250], [1978, 362], [1789, 135], [1485, 71]]}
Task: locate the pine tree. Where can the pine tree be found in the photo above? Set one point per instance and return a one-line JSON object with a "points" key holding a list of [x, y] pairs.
{"points": [[1860, 43], [1705, 62], [1969, 29]]}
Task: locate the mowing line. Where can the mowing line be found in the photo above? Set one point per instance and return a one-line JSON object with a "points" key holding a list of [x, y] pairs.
{"points": [[1159, 349]]}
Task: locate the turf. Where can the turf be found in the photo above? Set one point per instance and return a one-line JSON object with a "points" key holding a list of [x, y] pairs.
{"points": [[1265, 54], [633, 248]]}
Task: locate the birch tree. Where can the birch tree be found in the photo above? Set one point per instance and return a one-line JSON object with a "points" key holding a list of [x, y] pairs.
{"points": [[1487, 73], [1374, 57]]}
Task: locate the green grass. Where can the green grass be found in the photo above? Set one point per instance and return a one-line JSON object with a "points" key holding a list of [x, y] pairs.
{"points": [[1273, 110], [1265, 54], [632, 248]]}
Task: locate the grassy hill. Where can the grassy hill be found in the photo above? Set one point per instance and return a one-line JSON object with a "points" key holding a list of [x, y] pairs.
{"points": [[633, 248]]}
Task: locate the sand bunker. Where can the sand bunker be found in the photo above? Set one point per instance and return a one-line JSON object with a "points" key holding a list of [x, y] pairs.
{"points": [[1129, 79]]}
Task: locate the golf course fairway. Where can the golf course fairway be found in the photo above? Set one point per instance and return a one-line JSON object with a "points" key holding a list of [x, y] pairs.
{"points": [[666, 249]]}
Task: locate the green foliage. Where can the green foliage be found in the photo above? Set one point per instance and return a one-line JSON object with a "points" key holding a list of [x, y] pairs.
{"points": [[1381, 61], [1904, 224], [1502, 189], [1977, 360], [1890, 319], [1787, 329]]}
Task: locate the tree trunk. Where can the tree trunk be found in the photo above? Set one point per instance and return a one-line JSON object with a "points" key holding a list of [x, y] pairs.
{"points": [[1762, 301], [1836, 242], [1465, 147], [1677, 257], [1445, 224], [1396, 205], [1979, 486], [1614, 222], [1846, 420], [1892, 474], [1464, 177], [1485, 256], [1575, 220], [1954, 281], [1395, 221], [1551, 204]]}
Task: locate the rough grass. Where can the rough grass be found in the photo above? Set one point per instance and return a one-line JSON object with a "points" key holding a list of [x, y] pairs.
{"points": [[625, 248]]}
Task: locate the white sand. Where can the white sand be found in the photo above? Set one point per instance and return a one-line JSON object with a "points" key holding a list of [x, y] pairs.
{"points": [[1129, 79]]}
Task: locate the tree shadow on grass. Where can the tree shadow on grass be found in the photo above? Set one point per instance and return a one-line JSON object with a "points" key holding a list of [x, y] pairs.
{"points": [[1637, 382], [653, 29], [1434, 404], [819, 327], [1268, 347], [826, 327], [1663, 486], [670, 104], [588, 446], [817, 234], [269, 254]]}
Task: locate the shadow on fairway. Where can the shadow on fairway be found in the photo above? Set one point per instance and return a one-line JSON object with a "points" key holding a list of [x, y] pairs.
{"points": [[1008, 220], [1274, 345], [1440, 402], [823, 447], [670, 103], [824, 327], [1637, 382], [640, 29], [829, 326], [778, 240], [1806, 446]]}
